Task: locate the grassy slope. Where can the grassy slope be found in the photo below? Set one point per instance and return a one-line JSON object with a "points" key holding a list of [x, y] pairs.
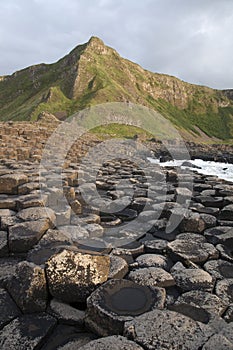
{"points": [[93, 74]]}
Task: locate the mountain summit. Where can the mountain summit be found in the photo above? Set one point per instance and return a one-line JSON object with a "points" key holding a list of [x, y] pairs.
{"points": [[94, 73]]}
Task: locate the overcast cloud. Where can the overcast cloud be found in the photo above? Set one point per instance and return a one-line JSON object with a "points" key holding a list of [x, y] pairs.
{"points": [[191, 39]]}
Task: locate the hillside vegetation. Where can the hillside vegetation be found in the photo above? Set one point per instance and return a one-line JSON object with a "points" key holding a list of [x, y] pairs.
{"points": [[93, 73]]}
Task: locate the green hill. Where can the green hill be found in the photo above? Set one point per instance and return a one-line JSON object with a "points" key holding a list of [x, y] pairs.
{"points": [[93, 73]]}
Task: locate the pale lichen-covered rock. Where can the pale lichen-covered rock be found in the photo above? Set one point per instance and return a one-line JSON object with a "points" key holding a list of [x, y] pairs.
{"points": [[72, 276], [9, 183], [28, 287]]}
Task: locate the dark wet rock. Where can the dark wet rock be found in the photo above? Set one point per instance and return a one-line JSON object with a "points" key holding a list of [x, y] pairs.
{"points": [[26, 332], [9, 183], [172, 294], [190, 236], [163, 329], [223, 340], [224, 290], [37, 213], [157, 246], [228, 316], [72, 276], [69, 337], [152, 276], [205, 300], [118, 267], [227, 213], [228, 332], [219, 269], [226, 251], [114, 342], [3, 244], [7, 269], [153, 260], [188, 249], [219, 234], [195, 312], [28, 287], [9, 309], [52, 242], [129, 251], [199, 187], [218, 341], [65, 313], [118, 301], [225, 223], [208, 201], [206, 210], [192, 279], [24, 236]]}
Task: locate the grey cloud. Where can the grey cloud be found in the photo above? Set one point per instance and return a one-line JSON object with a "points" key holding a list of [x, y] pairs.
{"points": [[190, 39]]}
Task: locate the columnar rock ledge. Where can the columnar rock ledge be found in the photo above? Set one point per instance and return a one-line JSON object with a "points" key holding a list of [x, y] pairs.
{"points": [[154, 270], [26, 141]]}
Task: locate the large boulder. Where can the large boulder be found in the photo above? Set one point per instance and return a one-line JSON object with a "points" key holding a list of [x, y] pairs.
{"points": [[73, 276]]}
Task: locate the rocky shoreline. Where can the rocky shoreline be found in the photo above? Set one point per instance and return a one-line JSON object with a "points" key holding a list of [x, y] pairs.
{"points": [[80, 278], [26, 141]]}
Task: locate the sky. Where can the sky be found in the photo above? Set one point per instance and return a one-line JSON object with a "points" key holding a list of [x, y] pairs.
{"points": [[190, 39]]}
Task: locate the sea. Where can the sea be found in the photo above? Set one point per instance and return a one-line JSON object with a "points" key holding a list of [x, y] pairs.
{"points": [[223, 171]]}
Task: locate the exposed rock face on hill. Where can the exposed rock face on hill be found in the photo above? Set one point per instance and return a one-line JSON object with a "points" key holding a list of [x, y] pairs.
{"points": [[93, 73]]}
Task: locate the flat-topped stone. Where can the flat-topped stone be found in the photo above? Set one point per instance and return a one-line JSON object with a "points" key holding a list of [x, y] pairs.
{"points": [[162, 329], [117, 301]]}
